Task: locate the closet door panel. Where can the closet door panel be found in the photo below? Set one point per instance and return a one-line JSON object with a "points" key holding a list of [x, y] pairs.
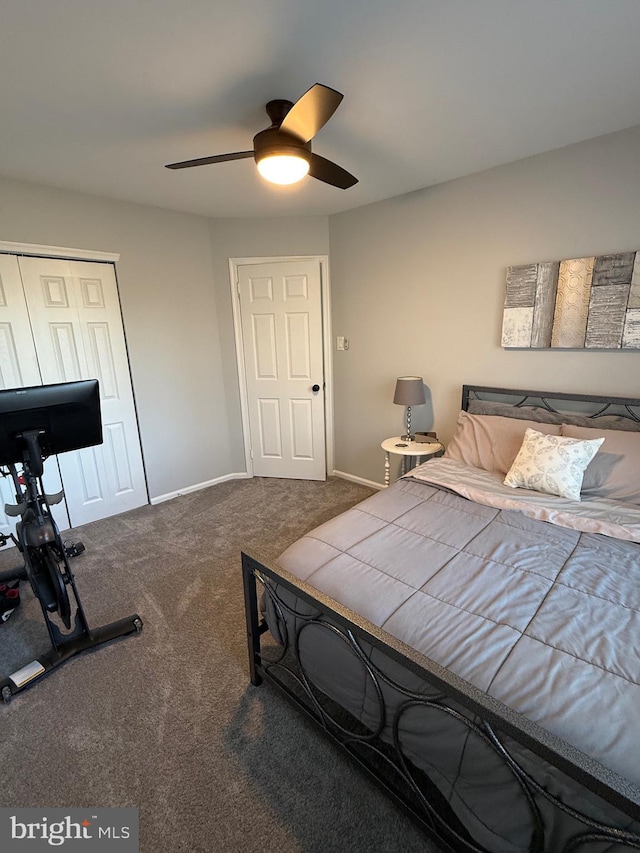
{"points": [[19, 369], [75, 314], [106, 354], [18, 359], [50, 296]]}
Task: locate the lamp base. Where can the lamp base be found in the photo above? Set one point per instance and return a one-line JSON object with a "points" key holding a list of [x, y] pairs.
{"points": [[408, 437]]}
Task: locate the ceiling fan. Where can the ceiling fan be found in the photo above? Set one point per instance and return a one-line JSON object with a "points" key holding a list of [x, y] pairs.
{"points": [[283, 151]]}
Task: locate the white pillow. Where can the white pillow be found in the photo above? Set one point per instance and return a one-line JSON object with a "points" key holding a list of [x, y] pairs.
{"points": [[552, 464]]}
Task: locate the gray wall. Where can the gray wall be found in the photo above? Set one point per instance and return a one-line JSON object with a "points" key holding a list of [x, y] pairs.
{"points": [[418, 287], [254, 238], [165, 278], [173, 278]]}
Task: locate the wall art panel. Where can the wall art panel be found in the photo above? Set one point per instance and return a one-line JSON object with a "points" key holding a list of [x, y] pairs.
{"points": [[579, 303]]}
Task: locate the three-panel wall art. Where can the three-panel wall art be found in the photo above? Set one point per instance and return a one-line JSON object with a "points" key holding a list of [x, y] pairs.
{"points": [[581, 303]]}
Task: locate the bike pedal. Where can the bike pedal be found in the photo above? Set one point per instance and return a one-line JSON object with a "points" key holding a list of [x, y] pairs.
{"points": [[74, 549]]}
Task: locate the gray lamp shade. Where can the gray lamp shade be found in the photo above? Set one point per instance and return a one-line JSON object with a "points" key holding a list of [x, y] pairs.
{"points": [[409, 391]]}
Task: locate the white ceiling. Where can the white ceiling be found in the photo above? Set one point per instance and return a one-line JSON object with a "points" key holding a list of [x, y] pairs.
{"points": [[98, 95]]}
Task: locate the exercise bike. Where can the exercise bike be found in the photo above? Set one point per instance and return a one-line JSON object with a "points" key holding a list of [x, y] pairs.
{"points": [[37, 536]]}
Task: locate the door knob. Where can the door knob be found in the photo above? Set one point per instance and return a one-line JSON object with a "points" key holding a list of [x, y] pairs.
{"points": [[315, 388]]}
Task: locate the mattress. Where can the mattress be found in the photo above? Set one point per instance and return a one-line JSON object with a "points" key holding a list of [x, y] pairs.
{"points": [[545, 617]]}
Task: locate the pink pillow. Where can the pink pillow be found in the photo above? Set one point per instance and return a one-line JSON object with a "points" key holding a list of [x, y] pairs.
{"points": [[492, 442], [614, 472]]}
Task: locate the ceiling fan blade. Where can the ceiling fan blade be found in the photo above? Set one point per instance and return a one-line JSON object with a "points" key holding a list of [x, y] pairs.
{"points": [[311, 112], [205, 161], [330, 173]]}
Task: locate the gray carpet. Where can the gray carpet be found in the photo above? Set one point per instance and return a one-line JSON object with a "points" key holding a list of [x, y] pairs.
{"points": [[166, 721]]}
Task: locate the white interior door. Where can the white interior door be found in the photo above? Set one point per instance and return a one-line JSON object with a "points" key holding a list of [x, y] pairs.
{"points": [[281, 320], [74, 311], [19, 369]]}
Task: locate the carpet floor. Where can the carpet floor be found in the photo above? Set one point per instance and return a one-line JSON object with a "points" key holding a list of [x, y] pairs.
{"points": [[167, 721]]}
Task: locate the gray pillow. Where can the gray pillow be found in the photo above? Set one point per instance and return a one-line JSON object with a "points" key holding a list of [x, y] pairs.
{"points": [[543, 416]]}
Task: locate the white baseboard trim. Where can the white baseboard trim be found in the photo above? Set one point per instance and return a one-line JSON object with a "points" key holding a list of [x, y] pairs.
{"points": [[244, 476], [360, 480], [195, 488]]}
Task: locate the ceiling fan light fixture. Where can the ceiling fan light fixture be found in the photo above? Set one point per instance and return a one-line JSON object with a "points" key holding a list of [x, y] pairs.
{"points": [[283, 168], [282, 151]]}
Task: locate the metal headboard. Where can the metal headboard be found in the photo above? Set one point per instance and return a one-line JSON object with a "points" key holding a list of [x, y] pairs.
{"points": [[591, 406]]}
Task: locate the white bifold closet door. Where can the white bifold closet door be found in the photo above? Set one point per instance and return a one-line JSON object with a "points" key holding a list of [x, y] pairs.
{"points": [[60, 321]]}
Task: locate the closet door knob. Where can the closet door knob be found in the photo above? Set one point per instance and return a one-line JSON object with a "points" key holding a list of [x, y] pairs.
{"points": [[315, 388]]}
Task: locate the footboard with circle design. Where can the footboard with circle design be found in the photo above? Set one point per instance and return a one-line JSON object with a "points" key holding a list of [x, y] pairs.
{"points": [[475, 774]]}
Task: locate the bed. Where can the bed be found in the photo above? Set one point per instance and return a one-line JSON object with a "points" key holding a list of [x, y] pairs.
{"points": [[471, 634]]}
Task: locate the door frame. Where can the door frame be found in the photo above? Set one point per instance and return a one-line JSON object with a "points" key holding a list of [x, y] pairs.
{"points": [[325, 295], [65, 254]]}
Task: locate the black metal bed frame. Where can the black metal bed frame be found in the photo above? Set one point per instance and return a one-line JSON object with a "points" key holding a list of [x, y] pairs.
{"points": [[494, 723], [509, 735]]}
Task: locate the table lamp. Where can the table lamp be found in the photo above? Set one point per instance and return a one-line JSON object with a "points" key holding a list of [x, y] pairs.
{"points": [[409, 392]]}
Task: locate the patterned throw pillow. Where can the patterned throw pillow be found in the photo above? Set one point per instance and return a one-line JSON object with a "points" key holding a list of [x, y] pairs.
{"points": [[552, 464]]}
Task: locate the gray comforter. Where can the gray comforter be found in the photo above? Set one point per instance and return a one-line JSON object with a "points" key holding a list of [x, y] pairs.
{"points": [[543, 617]]}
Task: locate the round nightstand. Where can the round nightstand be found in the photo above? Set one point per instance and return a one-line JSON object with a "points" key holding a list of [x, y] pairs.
{"points": [[408, 450]]}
